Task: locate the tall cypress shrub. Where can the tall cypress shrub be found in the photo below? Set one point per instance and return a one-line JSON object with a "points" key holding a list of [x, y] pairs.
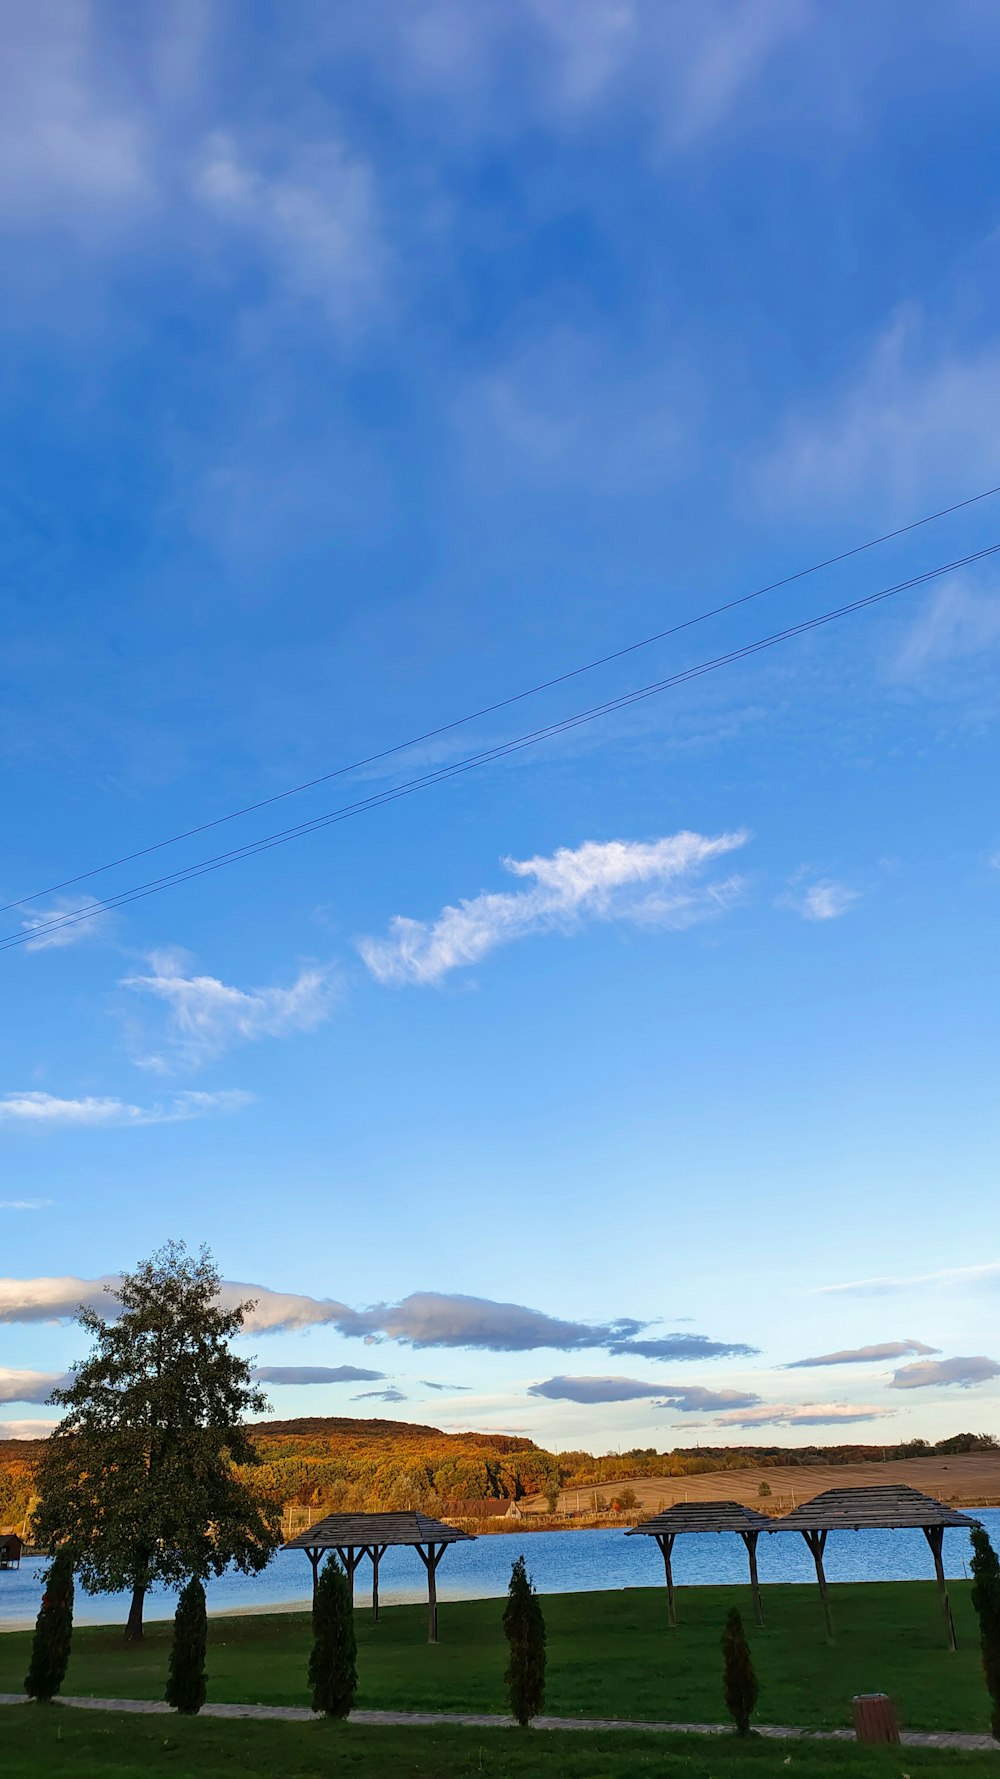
{"points": [[53, 1632], [186, 1679], [986, 1600], [524, 1628], [333, 1671], [738, 1672]]}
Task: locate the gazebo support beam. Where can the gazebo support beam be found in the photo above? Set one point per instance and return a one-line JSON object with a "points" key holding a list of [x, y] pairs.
{"points": [[431, 1556], [377, 1553], [750, 1540], [314, 1557], [350, 1556], [665, 1540], [935, 1538], [817, 1545]]}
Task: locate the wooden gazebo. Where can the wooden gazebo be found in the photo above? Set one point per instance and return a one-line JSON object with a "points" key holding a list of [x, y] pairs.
{"points": [[357, 1535], [885, 1508], [706, 1516]]}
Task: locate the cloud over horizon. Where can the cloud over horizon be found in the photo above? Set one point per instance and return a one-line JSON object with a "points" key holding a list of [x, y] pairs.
{"points": [[646, 884], [964, 1374], [422, 1320], [887, 1349], [29, 1386], [685, 1398], [316, 1374], [803, 1414]]}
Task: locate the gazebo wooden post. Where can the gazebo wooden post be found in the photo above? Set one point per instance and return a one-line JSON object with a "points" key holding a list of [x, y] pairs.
{"points": [[377, 1553], [430, 1558], [665, 1540], [314, 1557], [817, 1544], [935, 1538], [750, 1540], [351, 1555]]}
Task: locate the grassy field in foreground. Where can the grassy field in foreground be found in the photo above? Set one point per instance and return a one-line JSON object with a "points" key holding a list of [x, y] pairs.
{"points": [[609, 1655], [99, 1745]]}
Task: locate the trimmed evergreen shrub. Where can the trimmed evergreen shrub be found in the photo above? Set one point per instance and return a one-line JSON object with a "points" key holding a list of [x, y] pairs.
{"points": [[186, 1680], [53, 1632], [524, 1629], [738, 1671], [333, 1670], [986, 1600]]}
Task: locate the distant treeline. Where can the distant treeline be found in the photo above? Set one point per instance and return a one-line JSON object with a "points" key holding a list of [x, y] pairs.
{"points": [[343, 1465]]}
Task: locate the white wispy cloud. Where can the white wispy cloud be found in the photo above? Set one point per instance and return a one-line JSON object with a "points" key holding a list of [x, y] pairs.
{"points": [[823, 900], [802, 1414], [647, 883], [69, 146], [959, 620], [315, 218], [25, 1204], [49, 1109], [987, 1273], [206, 1016], [47, 937], [887, 1349], [26, 1429], [912, 419], [962, 1373]]}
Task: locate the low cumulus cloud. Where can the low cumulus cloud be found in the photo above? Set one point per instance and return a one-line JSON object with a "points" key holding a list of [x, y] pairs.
{"points": [[205, 1016], [100, 1112], [686, 1398], [425, 1319], [887, 1349], [29, 1386], [963, 1374], [26, 1429], [802, 1414], [316, 1374], [648, 884]]}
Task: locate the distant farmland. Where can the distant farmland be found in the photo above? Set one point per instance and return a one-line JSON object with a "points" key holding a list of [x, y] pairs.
{"points": [[969, 1480]]}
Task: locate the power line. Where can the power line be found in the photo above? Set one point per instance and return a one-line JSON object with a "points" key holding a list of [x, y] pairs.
{"points": [[502, 750], [502, 703]]}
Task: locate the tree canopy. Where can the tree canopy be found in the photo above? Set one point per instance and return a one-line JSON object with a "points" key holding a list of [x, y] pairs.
{"points": [[139, 1480]]}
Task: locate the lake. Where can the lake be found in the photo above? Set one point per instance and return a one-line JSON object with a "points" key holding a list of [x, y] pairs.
{"points": [[559, 1562]]}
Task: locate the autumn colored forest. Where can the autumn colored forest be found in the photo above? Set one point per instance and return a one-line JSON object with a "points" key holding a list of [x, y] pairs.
{"points": [[338, 1464]]}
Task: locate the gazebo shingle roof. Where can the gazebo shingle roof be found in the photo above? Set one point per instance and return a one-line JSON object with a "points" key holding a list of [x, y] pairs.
{"points": [[344, 1531], [705, 1516], [886, 1507]]}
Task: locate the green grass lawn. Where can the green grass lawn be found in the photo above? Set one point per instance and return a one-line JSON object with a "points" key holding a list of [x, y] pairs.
{"points": [[37, 1741], [609, 1654]]}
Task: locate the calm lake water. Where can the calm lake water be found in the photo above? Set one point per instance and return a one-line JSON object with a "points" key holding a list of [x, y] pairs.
{"points": [[559, 1562]]}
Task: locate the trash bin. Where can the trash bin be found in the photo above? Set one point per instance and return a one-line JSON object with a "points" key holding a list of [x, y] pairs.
{"points": [[875, 1718]]}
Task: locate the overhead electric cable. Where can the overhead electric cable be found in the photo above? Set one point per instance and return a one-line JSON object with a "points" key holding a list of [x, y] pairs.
{"points": [[502, 703], [38, 930]]}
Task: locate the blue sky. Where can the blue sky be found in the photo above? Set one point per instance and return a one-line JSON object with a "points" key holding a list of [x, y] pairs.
{"points": [[363, 366]]}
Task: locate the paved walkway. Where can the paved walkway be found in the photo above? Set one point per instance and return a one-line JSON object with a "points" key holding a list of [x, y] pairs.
{"points": [[469, 1720]]}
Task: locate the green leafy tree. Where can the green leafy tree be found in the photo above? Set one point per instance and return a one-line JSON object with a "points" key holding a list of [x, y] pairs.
{"points": [[524, 1629], [186, 1680], [53, 1632], [738, 1670], [333, 1668], [139, 1478], [986, 1600]]}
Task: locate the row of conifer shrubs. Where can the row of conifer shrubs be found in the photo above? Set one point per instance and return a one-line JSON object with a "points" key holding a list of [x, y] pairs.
{"points": [[333, 1668]]}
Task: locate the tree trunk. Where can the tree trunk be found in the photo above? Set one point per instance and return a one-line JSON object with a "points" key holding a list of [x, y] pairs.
{"points": [[133, 1627]]}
